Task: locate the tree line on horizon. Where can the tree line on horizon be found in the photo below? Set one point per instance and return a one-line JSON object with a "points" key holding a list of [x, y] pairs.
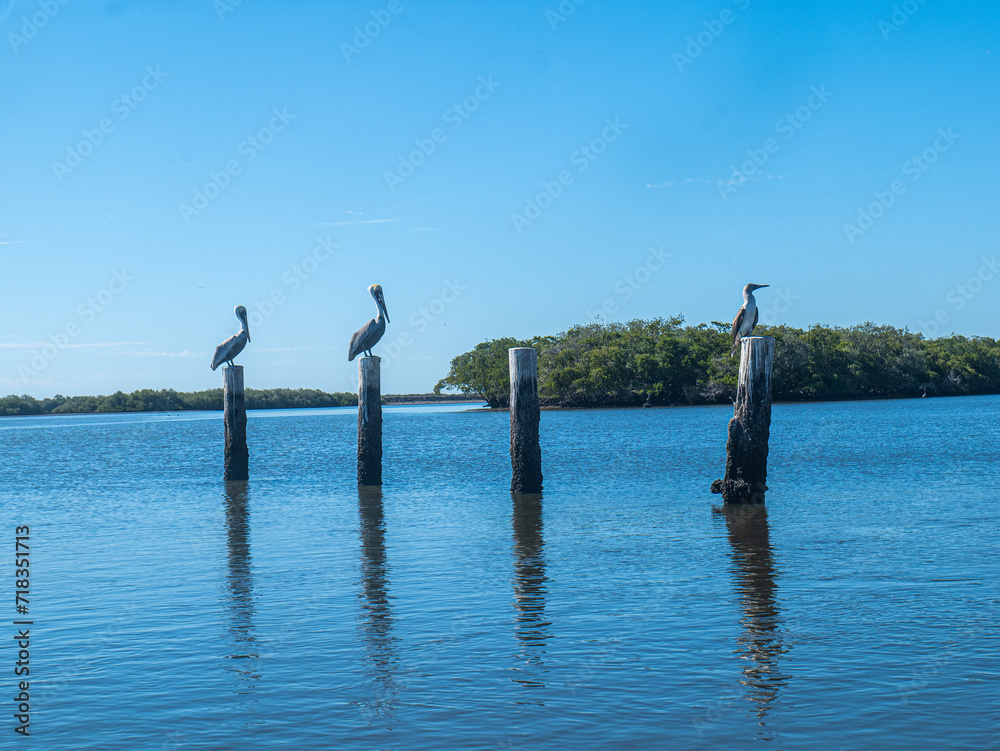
{"points": [[662, 361], [168, 400]]}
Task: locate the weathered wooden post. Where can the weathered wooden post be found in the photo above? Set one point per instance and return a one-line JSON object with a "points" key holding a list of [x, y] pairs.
{"points": [[369, 421], [234, 415], [525, 453], [750, 427]]}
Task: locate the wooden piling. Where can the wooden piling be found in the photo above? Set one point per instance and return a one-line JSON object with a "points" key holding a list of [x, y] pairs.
{"points": [[369, 421], [525, 452], [234, 415], [749, 429]]}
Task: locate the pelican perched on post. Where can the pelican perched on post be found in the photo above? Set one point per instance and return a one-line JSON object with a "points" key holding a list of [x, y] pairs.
{"points": [[746, 319], [226, 351], [368, 335]]}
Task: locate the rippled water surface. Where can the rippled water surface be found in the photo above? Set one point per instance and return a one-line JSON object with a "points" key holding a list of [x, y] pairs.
{"points": [[620, 610]]}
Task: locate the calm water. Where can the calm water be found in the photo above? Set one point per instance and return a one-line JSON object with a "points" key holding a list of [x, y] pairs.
{"points": [[618, 611]]}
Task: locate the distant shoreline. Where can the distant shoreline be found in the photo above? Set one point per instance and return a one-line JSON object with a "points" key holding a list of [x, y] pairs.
{"points": [[412, 399], [388, 400], [418, 400], [905, 397]]}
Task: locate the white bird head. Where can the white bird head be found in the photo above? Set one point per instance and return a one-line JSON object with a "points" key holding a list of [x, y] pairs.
{"points": [[375, 291], [751, 287], [241, 313]]}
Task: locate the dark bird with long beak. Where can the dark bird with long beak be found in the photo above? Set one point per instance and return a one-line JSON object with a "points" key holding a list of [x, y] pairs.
{"points": [[368, 335], [746, 319], [226, 351]]}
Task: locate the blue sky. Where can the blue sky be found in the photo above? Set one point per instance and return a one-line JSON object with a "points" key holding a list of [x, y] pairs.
{"points": [[501, 169]]}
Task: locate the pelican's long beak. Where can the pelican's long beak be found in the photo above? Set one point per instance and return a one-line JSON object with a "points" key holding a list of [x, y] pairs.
{"points": [[761, 286], [381, 301]]}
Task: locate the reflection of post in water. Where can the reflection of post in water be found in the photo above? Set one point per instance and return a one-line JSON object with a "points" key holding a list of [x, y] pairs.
{"points": [[240, 605], [529, 580], [760, 643], [376, 610]]}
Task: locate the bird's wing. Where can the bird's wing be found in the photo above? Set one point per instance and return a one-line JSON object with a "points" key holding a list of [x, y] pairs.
{"points": [[756, 317], [229, 349], [366, 337], [738, 321], [222, 352], [358, 340]]}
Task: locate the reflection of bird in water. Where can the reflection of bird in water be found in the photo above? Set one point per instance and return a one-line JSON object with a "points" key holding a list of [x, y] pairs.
{"points": [[753, 568], [376, 609], [531, 628], [240, 604]]}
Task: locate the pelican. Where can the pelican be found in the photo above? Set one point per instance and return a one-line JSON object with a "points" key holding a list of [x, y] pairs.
{"points": [[226, 351], [368, 335], [746, 319]]}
